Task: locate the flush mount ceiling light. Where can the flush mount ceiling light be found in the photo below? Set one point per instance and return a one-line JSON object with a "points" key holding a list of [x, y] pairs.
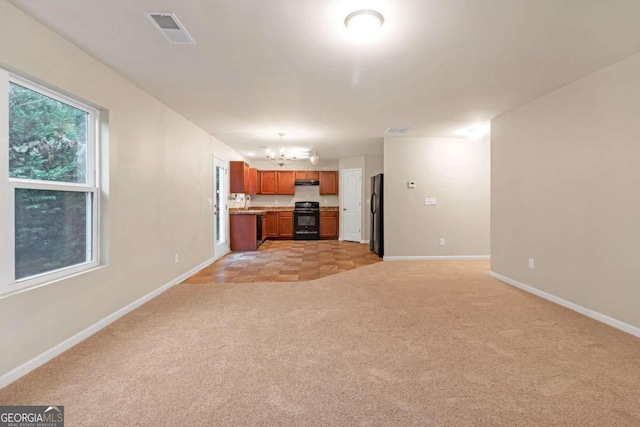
{"points": [[477, 132], [282, 158], [364, 22]]}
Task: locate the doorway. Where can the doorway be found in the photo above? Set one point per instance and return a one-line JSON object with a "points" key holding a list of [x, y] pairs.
{"points": [[352, 205], [220, 208]]}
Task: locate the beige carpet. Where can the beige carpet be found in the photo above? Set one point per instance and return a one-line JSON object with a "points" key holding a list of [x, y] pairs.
{"points": [[395, 343]]}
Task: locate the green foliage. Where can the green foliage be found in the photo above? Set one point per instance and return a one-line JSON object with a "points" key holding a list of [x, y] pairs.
{"points": [[47, 142], [47, 139]]}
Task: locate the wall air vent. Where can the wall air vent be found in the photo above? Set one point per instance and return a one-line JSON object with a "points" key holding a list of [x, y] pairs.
{"points": [[170, 27], [397, 131]]}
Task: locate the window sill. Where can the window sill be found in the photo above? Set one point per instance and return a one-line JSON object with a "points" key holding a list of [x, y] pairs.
{"points": [[11, 293]]}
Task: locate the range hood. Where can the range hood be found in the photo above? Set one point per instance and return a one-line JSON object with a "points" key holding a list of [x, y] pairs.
{"points": [[307, 182]]}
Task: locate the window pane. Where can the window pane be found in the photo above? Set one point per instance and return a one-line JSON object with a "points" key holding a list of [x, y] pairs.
{"points": [[47, 138], [52, 230]]}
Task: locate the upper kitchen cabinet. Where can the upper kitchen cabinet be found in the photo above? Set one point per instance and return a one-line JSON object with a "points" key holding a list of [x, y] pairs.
{"points": [[239, 177], [243, 179], [307, 175], [283, 182], [254, 184], [286, 182], [268, 182], [328, 183]]}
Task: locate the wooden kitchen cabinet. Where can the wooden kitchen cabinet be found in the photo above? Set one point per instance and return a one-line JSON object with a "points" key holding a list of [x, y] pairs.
{"points": [[283, 182], [268, 182], [253, 182], [272, 224], [285, 224], [239, 177], [328, 224], [305, 175], [243, 230], [328, 183], [286, 182]]}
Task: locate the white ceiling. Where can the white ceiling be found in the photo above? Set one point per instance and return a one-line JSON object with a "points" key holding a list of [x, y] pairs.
{"points": [[260, 67]]}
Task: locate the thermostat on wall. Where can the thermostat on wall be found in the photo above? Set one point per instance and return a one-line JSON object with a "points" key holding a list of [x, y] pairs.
{"points": [[411, 184]]}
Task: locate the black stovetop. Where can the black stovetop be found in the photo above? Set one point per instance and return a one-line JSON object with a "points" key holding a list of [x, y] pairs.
{"points": [[307, 206]]}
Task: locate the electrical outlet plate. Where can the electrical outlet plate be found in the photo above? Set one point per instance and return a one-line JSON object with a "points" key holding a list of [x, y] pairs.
{"points": [[532, 264], [442, 241]]}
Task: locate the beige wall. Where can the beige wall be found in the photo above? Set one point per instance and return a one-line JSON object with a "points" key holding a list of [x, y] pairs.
{"points": [[303, 194], [456, 172], [565, 185], [159, 185], [299, 165]]}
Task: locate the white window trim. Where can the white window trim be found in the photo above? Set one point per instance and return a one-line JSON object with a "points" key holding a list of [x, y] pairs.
{"points": [[8, 282]]}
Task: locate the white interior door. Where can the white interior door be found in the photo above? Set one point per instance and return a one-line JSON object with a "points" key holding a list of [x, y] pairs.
{"points": [[220, 208], [352, 205]]}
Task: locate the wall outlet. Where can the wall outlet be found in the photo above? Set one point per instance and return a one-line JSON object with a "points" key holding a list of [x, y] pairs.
{"points": [[442, 241], [176, 258], [532, 264], [430, 201]]}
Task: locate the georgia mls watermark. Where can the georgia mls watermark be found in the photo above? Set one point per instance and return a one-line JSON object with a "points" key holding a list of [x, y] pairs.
{"points": [[31, 416]]}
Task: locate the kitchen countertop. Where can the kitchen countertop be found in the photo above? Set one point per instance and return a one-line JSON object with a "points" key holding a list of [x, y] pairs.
{"points": [[246, 212], [259, 210]]}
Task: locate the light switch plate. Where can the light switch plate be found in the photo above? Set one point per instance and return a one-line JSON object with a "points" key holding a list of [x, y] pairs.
{"points": [[411, 184], [430, 201]]}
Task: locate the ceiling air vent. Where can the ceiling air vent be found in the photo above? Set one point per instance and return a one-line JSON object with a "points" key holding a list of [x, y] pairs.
{"points": [[170, 27], [397, 131]]}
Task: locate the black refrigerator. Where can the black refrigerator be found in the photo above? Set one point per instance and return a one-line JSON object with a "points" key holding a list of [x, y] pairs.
{"points": [[376, 237]]}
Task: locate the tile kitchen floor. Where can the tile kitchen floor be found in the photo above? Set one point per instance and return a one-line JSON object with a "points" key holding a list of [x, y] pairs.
{"points": [[287, 261]]}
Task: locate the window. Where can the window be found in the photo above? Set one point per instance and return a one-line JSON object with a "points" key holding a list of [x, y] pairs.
{"points": [[48, 185]]}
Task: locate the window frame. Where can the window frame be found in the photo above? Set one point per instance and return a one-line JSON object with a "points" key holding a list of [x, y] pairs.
{"points": [[8, 282]]}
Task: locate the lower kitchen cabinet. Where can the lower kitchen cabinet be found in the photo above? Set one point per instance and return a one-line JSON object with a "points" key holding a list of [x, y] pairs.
{"points": [[285, 224], [272, 224], [243, 232], [328, 224]]}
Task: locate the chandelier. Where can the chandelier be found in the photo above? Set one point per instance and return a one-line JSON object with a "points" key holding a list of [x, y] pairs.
{"points": [[314, 158], [282, 158]]}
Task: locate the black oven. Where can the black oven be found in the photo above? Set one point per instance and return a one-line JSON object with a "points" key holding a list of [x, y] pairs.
{"points": [[306, 221]]}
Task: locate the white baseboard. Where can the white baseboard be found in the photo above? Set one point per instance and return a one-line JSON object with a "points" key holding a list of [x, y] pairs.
{"points": [[364, 241], [434, 258], [625, 327], [65, 345]]}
